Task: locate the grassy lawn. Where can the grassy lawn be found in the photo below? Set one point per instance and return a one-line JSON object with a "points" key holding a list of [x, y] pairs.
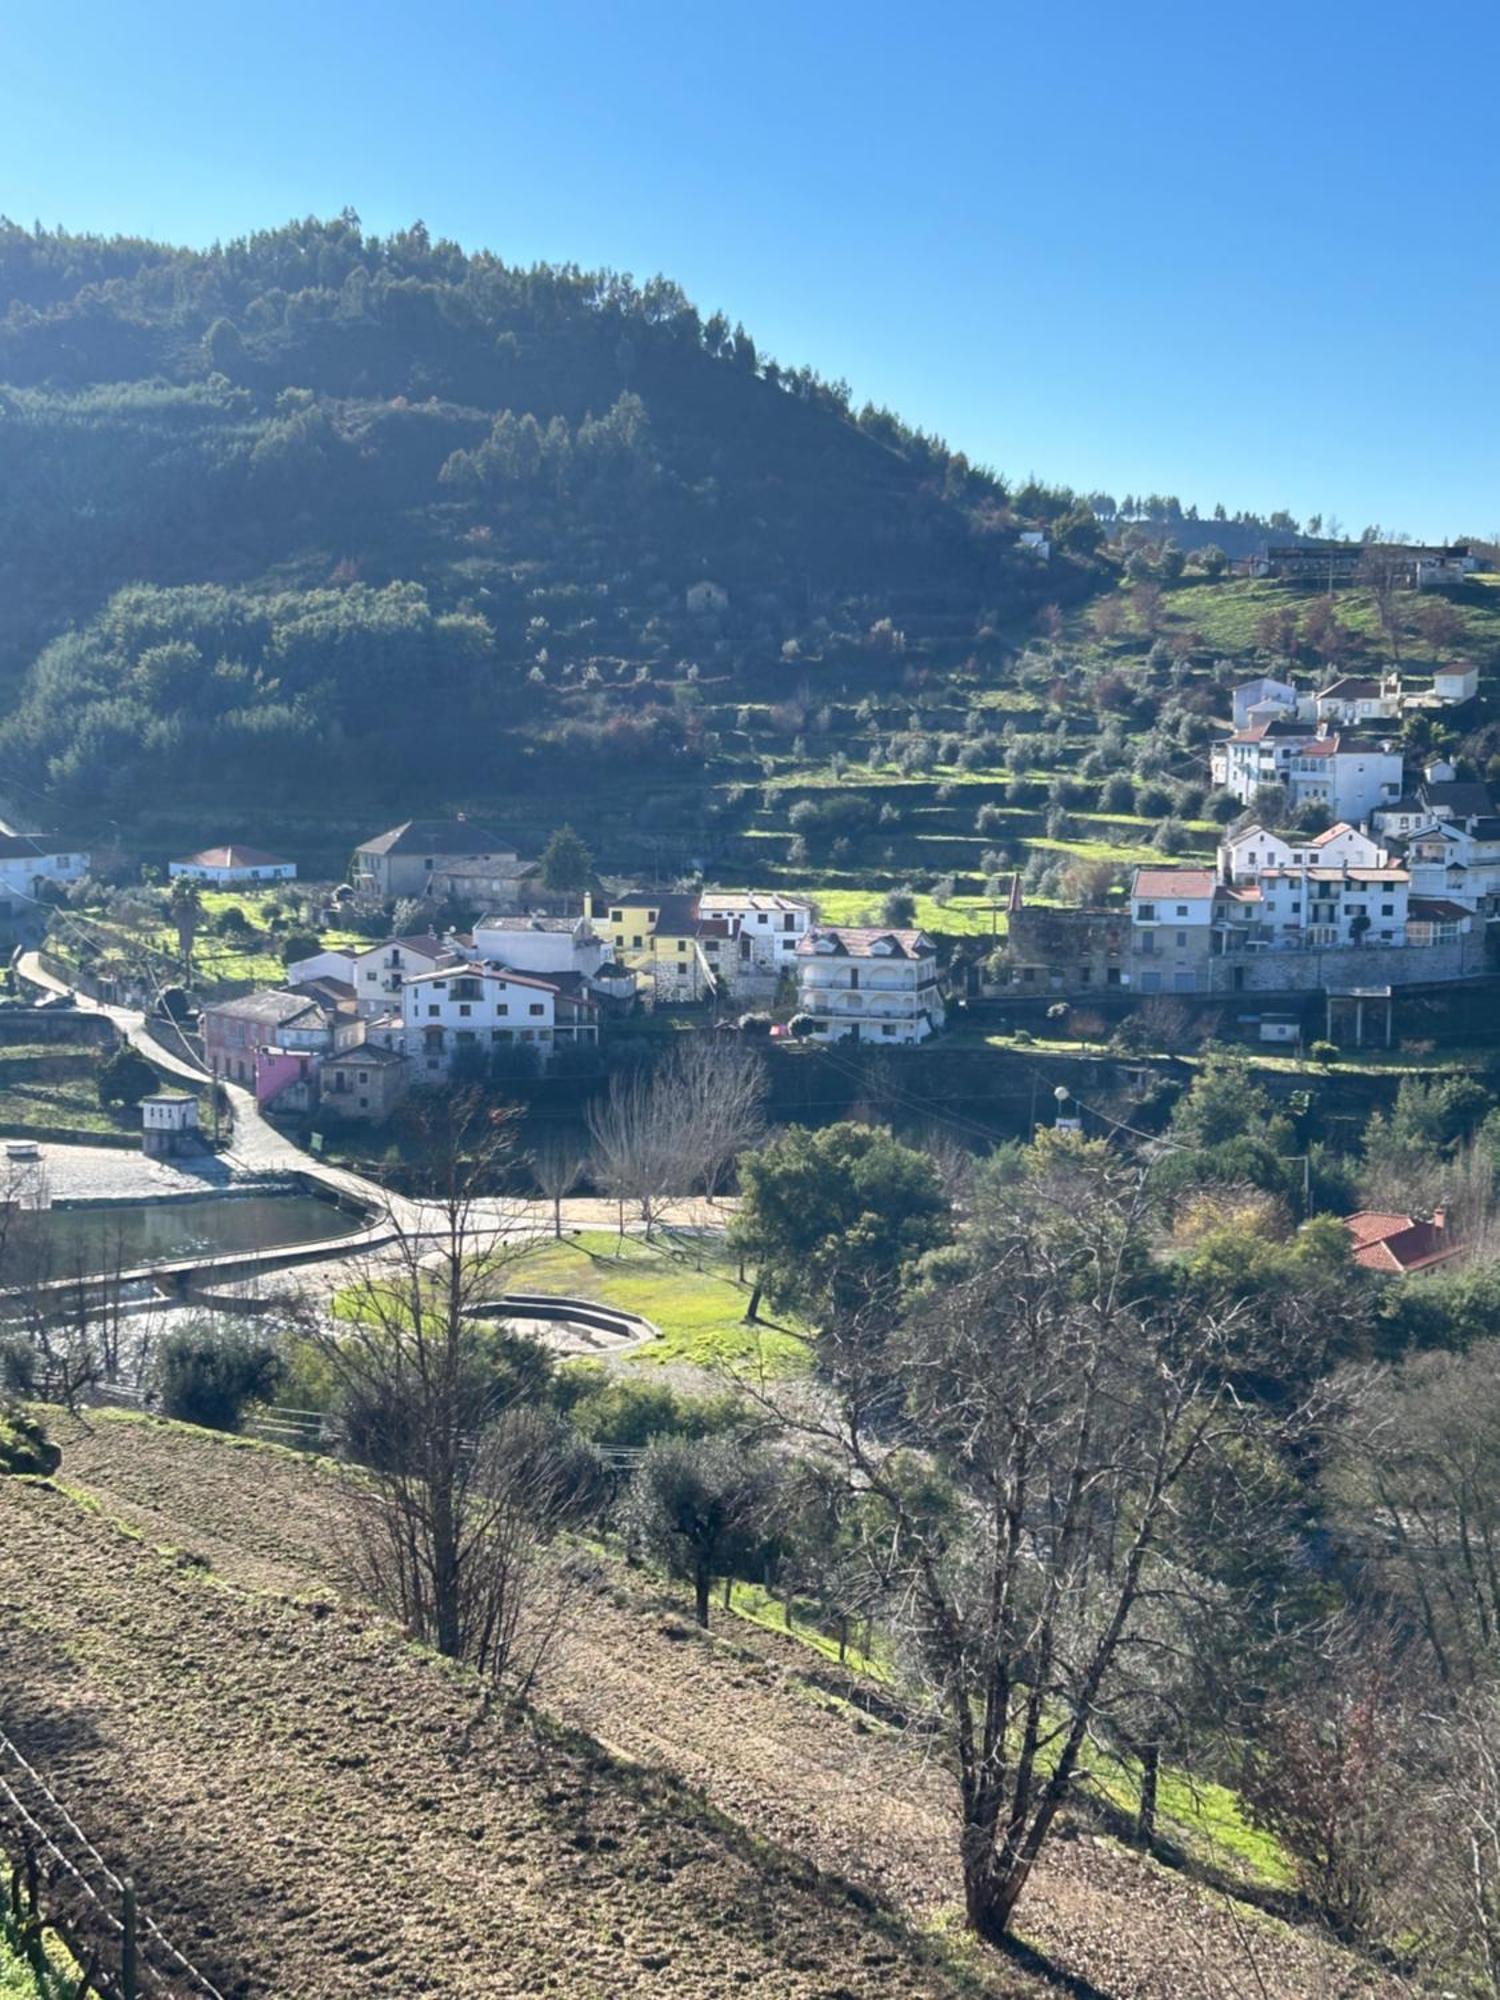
{"points": [[700, 1310], [251, 956], [54, 1085]]}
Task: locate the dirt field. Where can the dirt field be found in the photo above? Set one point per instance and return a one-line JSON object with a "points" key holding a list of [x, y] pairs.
{"points": [[315, 1808]]}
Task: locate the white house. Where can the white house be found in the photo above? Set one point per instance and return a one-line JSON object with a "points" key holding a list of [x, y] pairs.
{"points": [[468, 1008], [1455, 684], [750, 936], [1259, 693], [869, 985], [1357, 698], [30, 861], [1243, 855], [379, 974], [1349, 776], [1457, 861], [226, 867], [1326, 908], [543, 944], [1172, 914]]}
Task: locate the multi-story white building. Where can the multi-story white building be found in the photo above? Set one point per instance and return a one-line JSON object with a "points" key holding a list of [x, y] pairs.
{"points": [[868, 985], [1322, 909], [1350, 777], [750, 936], [376, 974], [1458, 860], [467, 1008]]}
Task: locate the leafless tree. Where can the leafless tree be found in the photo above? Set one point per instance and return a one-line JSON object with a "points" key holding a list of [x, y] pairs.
{"points": [[557, 1165], [443, 1532], [1052, 1414], [633, 1158], [711, 1096]]}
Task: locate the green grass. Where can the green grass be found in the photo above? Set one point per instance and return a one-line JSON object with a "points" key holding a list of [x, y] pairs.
{"points": [[252, 955], [53, 1084], [19, 1980], [700, 1311]]}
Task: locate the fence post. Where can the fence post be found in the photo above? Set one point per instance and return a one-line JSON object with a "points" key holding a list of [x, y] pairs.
{"points": [[128, 1987]]}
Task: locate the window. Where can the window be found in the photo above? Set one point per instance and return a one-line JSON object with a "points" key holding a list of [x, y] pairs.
{"points": [[364, 1076], [1182, 909], [635, 944], [617, 916], [464, 1009], [1388, 910], [1148, 913], [536, 1007], [1182, 940], [502, 1006], [433, 1012], [682, 944]]}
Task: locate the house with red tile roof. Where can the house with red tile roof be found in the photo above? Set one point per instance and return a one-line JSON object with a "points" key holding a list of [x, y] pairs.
{"points": [[1396, 1246]]}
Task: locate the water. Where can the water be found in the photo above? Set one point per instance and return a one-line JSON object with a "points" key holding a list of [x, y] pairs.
{"points": [[125, 1235]]}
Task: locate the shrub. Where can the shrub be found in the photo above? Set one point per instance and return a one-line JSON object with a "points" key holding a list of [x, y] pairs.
{"points": [[209, 1375], [755, 1024], [297, 945], [1324, 1052], [25, 1445], [899, 909], [126, 1078], [801, 1026]]}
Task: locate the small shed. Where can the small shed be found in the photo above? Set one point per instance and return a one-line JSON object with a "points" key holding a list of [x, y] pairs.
{"points": [[169, 1123]]}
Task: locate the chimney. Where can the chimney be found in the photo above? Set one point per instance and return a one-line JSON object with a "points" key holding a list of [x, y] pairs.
{"points": [[1440, 1219]]}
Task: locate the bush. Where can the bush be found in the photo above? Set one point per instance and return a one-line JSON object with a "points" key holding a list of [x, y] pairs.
{"points": [[297, 945], [209, 1375], [898, 909], [1323, 1052], [801, 1026], [755, 1024], [126, 1078], [622, 1413], [24, 1444]]}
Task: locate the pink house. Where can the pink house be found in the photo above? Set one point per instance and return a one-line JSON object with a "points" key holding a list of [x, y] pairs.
{"points": [[286, 1078]]}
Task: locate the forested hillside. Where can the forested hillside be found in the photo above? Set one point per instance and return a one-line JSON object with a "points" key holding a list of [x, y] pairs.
{"points": [[377, 519]]}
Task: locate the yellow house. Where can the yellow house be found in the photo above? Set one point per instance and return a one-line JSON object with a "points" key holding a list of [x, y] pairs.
{"points": [[655, 933]]}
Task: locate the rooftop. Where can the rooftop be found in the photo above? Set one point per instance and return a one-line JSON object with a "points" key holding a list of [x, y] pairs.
{"points": [[1169, 882], [436, 837], [275, 1009], [1396, 1244], [864, 941], [235, 855]]}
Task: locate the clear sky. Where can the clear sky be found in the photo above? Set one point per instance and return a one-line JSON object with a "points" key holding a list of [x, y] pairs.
{"points": [[1237, 253]]}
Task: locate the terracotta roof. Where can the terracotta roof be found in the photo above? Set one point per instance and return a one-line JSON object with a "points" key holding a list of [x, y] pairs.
{"points": [[1436, 910], [1396, 1244], [859, 941], [1339, 827], [233, 856], [1168, 882], [466, 968]]}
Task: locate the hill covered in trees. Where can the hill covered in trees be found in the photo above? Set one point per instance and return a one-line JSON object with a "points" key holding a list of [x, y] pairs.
{"points": [[376, 518]]}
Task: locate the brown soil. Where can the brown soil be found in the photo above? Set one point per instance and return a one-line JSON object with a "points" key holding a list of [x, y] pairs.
{"points": [[315, 1807]]}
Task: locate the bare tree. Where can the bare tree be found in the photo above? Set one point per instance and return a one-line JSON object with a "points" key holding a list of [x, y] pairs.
{"points": [[1053, 1413], [633, 1156], [557, 1166], [710, 1097], [440, 1529]]}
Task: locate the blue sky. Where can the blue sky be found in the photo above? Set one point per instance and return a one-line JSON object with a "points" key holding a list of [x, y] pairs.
{"points": [[1239, 254]]}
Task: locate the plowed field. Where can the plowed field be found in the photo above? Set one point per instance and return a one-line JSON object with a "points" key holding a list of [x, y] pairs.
{"points": [[314, 1808]]}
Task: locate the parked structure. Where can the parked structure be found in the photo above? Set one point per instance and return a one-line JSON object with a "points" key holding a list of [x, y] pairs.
{"points": [[542, 944], [228, 867], [750, 937], [1359, 698], [869, 985], [235, 1030]]}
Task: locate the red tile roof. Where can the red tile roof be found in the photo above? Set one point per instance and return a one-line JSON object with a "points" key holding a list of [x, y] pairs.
{"points": [[1396, 1244], [1168, 882], [233, 856]]}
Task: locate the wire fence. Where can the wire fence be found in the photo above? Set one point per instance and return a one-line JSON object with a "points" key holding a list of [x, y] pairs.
{"points": [[59, 1880]]}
